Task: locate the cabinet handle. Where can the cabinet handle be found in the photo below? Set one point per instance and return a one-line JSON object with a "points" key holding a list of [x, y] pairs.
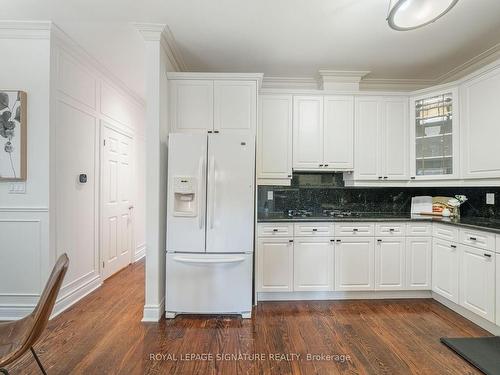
{"points": [[453, 246], [487, 255], [412, 178], [216, 131], [385, 178], [338, 240], [379, 240], [326, 165], [290, 176], [315, 229], [210, 132], [391, 229], [275, 230], [321, 165], [290, 240], [355, 229], [473, 238], [379, 177], [332, 240]]}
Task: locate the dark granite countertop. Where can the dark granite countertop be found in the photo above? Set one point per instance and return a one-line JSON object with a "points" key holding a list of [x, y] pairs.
{"points": [[479, 223]]}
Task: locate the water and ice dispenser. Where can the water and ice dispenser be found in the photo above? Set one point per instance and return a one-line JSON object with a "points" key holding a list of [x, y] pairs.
{"points": [[185, 196]]}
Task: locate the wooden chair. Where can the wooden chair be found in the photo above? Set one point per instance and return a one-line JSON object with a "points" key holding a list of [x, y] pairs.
{"points": [[19, 336]]}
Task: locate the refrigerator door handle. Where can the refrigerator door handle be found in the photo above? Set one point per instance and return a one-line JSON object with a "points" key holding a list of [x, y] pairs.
{"points": [[201, 185], [214, 193], [209, 260]]}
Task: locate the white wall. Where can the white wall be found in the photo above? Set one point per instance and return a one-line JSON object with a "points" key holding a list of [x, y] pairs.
{"points": [[70, 96], [24, 220]]}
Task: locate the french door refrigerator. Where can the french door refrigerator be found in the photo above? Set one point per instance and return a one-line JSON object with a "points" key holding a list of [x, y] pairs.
{"points": [[210, 224]]}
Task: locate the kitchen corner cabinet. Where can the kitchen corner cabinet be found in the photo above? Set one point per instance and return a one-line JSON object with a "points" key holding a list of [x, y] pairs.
{"points": [[274, 138], [445, 268], [381, 138], [323, 133], [419, 263], [212, 105], [479, 126], [354, 263], [477, 281], [434, 135], [275, 264], [313, 264], [390, 263]]}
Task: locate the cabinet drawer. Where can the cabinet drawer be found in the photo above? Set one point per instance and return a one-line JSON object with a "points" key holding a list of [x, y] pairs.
{"points": [[419, 229], [445, 232], [483, 240], [390, 229], [314, 229], [355, 229], [275, 230]]}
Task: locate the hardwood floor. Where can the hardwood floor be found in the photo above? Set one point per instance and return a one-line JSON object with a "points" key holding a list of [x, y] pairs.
{"points": [[102, 334]]}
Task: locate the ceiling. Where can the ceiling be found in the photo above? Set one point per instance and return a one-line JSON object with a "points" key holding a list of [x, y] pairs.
{"points": [[292, 38]]}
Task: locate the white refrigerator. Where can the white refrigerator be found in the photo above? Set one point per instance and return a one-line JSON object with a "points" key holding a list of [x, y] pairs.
{"points": [[210, 224]]}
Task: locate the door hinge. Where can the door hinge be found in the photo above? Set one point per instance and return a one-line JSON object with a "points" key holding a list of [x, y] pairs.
{"points": [[104, 142], [102, 264]]}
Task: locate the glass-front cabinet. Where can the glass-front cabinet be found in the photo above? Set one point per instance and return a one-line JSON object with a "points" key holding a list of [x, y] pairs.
{"points": [[435, 135]]}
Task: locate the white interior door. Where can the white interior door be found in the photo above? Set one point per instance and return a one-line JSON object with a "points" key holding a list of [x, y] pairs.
{"points": [[116, 208], [230, 193]]}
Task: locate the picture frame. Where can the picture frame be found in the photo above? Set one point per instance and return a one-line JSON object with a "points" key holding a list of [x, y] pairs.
{"points": [[13, 135]]}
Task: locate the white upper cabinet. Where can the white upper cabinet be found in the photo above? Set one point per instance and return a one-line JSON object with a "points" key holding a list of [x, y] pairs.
{"points": [[338, 132], [368, 120], [323, 131], [381, 138], [395, 148], [204, 105], [480, 127], [274, 137], [434, 135], [235, 106], [191, 105], [308, 132]]}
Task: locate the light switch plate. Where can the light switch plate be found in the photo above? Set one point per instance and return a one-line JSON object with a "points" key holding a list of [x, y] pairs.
{"points": [[270, 195], [17, 188], [490, 198]]}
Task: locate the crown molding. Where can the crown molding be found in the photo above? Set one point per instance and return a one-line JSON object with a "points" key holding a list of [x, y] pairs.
{"points": [[471, 65], [395, 84], [25, 29], [310, 83], [341, 79], [76, 50], [160, 32]]}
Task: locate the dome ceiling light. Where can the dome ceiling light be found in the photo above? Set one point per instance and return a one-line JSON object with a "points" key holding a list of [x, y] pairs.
{"points": [[411, 14]]}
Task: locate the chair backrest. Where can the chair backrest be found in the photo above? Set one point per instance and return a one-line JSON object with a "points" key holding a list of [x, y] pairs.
{"points": [[43, 309]]}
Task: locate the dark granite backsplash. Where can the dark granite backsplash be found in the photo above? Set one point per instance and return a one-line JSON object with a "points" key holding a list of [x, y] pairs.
{"points": [[327, 191]]}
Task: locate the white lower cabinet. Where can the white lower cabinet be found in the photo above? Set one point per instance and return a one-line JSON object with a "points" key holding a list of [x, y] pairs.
{"points": [[275, 265], [445, 269], [418, 263], [477, 281], [354, 263], [390, 263], [313, 264]]}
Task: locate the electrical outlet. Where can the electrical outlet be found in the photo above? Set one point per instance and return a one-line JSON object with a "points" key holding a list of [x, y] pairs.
{"points": [[270, 195], [490, 198]]}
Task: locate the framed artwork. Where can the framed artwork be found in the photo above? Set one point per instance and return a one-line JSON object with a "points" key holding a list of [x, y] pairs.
{"points": [[13, 133]]}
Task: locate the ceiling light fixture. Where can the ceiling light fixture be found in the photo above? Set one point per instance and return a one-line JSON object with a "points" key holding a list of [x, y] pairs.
{"points": [[412, 14]]}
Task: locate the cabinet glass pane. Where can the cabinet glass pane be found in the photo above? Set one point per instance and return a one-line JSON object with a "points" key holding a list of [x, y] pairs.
{"points": [[433, 129]]}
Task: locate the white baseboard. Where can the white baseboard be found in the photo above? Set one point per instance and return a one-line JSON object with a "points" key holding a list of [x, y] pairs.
{"points": [[140, 252], [311, 296], [19, 311], [153, 313], [72, 297], [480, 321]]}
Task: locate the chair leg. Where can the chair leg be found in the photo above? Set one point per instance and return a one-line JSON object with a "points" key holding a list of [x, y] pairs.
{"points": [[38, 361], [4, 371]]}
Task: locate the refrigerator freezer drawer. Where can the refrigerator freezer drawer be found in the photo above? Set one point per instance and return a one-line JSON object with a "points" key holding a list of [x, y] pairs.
{"points": [[209, 283]]}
